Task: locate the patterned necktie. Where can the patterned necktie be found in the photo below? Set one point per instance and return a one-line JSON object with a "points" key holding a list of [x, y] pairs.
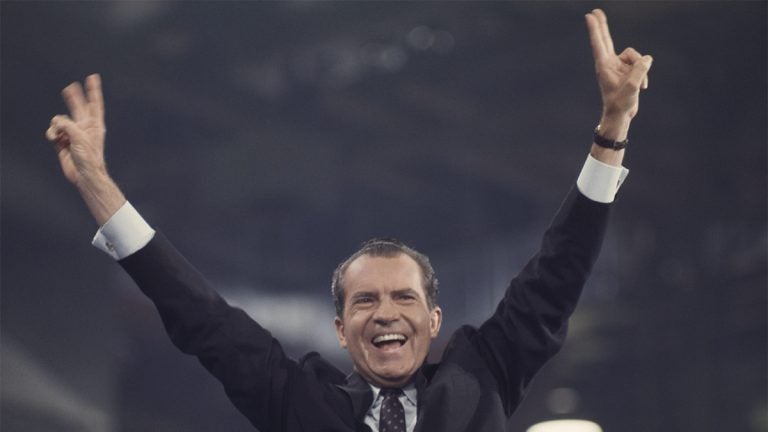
{"points": [[392, 415]]}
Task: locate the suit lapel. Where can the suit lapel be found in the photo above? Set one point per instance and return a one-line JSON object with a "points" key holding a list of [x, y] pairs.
{"points": [[359, 392], [361, 396]]}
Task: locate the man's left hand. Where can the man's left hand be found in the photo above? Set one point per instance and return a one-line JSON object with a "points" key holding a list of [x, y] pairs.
{"points": [[621, 77]]}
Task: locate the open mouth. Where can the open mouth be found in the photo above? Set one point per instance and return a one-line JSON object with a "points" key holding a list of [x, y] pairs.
{"points": [[393, 340]]}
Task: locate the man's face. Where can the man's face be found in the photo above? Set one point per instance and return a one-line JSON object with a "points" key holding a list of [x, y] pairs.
{"points": [[387, 325]]}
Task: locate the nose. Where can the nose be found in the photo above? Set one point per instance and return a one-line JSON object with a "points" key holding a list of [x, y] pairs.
{"points": [[386, 313]]}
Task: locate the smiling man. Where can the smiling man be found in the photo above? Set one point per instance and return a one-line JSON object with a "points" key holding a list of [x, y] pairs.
{"points": [[385, 294], [386, 311]]}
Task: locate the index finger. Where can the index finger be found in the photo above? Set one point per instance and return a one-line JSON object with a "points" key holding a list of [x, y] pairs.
{"points": [[75, 100], [602, 20], [599, 49], [95, 96]]}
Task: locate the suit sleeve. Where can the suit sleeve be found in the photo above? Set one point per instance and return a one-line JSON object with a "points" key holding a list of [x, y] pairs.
{"points": [[530, 323], [248, 361]]}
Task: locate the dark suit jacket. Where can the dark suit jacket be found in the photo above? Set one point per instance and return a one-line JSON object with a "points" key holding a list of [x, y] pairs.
{"points": [[478, 383]]}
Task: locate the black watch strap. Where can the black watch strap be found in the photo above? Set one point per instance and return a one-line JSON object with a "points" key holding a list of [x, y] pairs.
{"points": [[606, 143]]}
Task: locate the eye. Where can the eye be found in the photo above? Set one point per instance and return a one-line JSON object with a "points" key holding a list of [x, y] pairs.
{"points": [[363, 300]]}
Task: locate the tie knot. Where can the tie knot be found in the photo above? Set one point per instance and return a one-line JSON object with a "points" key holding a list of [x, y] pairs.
{"points": [[391, 392]]}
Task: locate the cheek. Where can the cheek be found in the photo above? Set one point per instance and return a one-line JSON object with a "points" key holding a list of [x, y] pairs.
{"points": [[354, 326]]}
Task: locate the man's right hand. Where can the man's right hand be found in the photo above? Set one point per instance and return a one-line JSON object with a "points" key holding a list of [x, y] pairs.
{"points": [[79, 141]]}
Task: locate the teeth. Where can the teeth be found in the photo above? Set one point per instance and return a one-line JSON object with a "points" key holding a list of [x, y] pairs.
{"points": [[389, 337]]}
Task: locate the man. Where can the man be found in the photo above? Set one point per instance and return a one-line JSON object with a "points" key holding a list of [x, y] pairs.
{"points": [[385, 294]]}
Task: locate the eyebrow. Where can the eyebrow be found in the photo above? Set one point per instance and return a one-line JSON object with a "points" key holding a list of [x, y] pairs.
{"points": [[405, 291], [363, 294], [373, 294]]}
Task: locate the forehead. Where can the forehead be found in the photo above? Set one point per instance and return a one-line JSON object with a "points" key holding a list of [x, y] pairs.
{"points": [[368, 272]]}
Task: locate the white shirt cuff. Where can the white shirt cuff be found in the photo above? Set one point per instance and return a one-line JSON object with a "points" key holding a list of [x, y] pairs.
{"points": [[599, 181], [124, 233]]}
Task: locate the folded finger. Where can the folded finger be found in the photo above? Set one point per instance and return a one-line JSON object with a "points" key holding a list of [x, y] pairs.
{"points": [[64, 125], [639, 74], [54, 130], [50, 134], [630, 56], [56, 135]]}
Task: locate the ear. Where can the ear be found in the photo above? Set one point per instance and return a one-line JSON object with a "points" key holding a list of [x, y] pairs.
{"points": [[435, 321], [340, 332]]}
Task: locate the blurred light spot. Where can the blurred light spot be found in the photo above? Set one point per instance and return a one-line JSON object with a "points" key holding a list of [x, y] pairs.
{"points": [[759, 418], [563, 400], [565, 426], [421, 38], [444, 42]]}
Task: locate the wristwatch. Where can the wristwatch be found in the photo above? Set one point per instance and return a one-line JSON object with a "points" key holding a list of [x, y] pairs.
{"points": [[606, 143]]}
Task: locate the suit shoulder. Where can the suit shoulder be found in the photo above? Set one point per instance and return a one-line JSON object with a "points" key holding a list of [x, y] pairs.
{"points": [[314, 364]]}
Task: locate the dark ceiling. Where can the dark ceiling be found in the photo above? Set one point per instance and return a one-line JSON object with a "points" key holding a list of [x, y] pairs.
{"points": [[269, 139]]}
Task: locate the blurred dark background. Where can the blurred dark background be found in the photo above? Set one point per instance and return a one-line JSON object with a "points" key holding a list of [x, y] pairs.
{"points": [[269, 139]]}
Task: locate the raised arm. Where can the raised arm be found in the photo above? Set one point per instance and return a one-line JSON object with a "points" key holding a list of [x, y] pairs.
{"points": [[256, 373], [79, 141], [620, 77], [530, 323]]}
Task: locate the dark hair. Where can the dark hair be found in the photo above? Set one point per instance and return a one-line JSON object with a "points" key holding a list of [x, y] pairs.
{"points": [[388, 248]]}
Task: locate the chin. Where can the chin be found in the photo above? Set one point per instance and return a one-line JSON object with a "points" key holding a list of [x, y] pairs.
{"points": [[391, 377]]}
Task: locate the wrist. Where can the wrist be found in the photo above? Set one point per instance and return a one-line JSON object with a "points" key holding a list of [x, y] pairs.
{"points": [[614, 127], [92, 178], [607, 156], [101, 194]]}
